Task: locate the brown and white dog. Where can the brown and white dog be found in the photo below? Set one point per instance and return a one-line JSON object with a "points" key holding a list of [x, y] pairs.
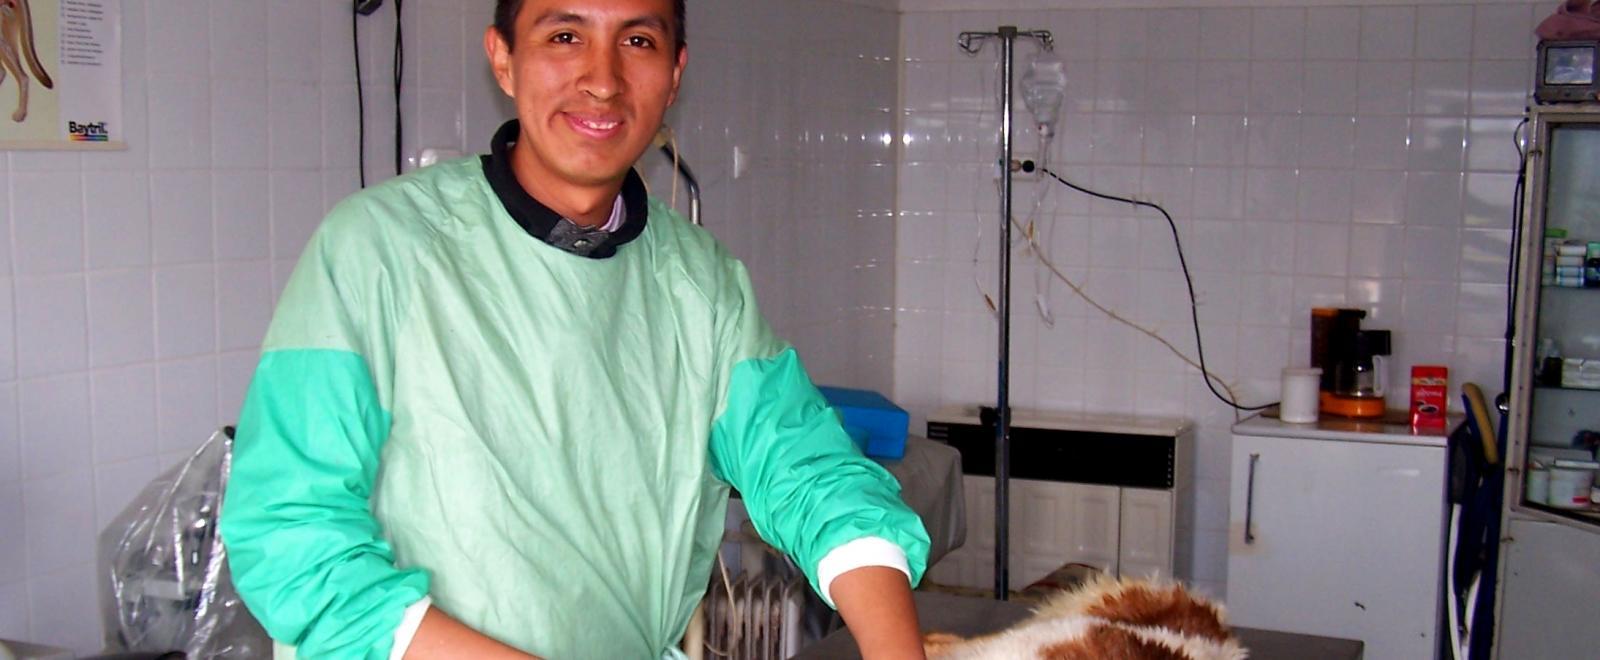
{"points": [[1106, 619], [16, 49]]}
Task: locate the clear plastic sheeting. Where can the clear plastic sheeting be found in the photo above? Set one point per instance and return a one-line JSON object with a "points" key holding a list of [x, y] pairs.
{"points": [[163, 572]]}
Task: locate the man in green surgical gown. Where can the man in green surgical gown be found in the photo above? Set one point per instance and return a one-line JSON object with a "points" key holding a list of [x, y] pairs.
{"points": [[503, 400]]}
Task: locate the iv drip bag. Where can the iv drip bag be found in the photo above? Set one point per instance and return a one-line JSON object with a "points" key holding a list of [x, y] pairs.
{"points": [[1044, 86]]}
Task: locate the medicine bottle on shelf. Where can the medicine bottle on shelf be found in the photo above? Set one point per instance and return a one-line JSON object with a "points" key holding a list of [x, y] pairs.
{"points": [[1591, 266], [1548, 366]]}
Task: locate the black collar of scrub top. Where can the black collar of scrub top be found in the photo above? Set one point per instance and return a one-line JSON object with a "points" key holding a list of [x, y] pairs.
{"points": [[545, 224]]}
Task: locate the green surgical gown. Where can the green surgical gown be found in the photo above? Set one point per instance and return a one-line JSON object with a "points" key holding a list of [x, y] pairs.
{"points": [[446, 405]]}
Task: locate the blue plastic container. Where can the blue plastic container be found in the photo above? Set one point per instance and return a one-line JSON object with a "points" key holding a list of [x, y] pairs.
{"points": [[883, 423], [858, 435]]}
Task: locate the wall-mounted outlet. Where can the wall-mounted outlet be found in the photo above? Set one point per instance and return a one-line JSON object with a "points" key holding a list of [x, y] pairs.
{"points": [[1024, 166]]}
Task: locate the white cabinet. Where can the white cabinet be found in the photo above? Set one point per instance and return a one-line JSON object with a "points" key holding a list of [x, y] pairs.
{"points": [[1549, 579], [1122, 531], [1338, 537], [1548, 606]]}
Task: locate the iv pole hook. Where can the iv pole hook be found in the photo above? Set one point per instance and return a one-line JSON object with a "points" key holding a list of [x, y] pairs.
{"points": [[972, 42]]}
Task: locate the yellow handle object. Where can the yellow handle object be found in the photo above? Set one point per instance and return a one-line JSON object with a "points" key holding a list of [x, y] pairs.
{"points": [[1480, 415]]}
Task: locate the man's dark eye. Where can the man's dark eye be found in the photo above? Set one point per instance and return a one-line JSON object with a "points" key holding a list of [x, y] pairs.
{"points": [[564, 38], [641, 42]]}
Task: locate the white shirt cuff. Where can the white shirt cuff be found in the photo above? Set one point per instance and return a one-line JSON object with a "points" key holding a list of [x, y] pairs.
{"points": [[860, 553], [408, 627]]}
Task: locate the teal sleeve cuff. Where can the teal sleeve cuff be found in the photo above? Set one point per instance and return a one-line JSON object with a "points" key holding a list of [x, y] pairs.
{"points": [[306, 554], [807, 487]]}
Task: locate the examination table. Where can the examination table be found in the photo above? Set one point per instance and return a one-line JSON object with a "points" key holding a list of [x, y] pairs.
{"points": [[930, 478], [968, 616]]}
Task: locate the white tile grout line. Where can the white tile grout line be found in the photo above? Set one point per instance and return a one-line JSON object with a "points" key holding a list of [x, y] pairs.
{"points": [[88, 358]]}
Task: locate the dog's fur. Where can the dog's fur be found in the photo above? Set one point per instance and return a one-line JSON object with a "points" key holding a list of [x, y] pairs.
{"points": [[1106, 619], [17, 49]]}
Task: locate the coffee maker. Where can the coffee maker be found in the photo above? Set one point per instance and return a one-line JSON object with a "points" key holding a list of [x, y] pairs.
{"points": [[1353, 362]]}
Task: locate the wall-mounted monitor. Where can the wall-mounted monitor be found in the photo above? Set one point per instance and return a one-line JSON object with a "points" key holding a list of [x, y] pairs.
{"points": [[1566, 72]]}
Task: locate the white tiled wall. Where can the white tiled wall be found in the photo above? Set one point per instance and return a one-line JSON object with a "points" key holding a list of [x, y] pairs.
{"points": [[806, 91], [1326, 155], [135, 286]]}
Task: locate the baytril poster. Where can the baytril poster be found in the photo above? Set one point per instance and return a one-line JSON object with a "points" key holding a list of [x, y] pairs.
{"points": [[61, 74]]}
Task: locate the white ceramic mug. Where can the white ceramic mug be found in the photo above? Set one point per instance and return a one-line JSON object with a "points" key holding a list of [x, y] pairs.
{"points": [[1302, 387]]}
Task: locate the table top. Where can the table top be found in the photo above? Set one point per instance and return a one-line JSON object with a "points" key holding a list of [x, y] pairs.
{"points": [[967, 617], [1394, 428]]}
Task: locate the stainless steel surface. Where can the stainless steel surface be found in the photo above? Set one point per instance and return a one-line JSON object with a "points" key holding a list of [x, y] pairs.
{"points": [[1002, 445]]}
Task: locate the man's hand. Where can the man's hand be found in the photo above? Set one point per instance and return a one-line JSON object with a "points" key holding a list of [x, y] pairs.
{"points": [[441, 637], [875, 602]]}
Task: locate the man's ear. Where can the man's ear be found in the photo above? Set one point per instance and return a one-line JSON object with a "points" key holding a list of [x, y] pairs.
{"points": [[499, 53], [677, 74]]}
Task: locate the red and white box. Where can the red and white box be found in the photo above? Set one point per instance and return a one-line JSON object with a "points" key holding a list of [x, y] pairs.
{"points": [[1430, 384]]}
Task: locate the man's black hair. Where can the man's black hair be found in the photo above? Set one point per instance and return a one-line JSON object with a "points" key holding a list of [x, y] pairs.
{"points": [[505, 20]]}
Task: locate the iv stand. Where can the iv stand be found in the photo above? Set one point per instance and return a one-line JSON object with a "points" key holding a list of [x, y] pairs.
{"points": [[972, 42]]}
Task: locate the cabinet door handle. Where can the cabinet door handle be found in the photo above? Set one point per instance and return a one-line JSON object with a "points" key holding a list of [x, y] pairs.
{"points": [[1250, 501]]}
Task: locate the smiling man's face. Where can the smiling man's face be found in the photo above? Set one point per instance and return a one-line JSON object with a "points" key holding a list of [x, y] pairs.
{"points": [[592, 80]]}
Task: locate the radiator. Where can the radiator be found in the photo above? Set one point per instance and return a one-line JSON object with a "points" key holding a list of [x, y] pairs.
{"points": [[758, 615], [760, 621]]}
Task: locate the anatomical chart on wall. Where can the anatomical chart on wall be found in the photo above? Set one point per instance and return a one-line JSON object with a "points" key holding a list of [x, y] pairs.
{"points": [[61, 74]]}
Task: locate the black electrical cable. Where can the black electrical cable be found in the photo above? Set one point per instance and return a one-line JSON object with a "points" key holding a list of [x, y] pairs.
{"points": [[399, 76], [1194, 307], [361, 103], [1514, 271]]}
